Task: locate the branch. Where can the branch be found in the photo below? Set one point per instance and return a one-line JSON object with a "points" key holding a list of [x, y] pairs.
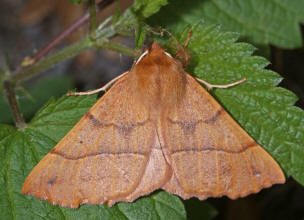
{"points": [[64, 54], [100, 39], [12, 101], [67, 32], [45, 63]]}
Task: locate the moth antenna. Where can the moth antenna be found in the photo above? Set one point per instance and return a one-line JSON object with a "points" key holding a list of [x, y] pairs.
{"points": [[142, 56], [102, 89], [211, 86]]}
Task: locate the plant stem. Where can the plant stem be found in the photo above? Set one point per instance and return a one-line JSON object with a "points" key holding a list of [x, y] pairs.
{"points": [[120, 49], [65, 54], [101, 36], [50, 61], [92, 10], [12, 101], [62, 55], [67, 32], [44, 51]]}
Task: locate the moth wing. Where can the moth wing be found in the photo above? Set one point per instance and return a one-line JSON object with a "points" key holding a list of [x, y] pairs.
{"points": [[210, 154], [104, 158]]}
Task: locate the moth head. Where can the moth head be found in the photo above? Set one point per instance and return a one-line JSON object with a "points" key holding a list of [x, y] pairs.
{"points": [[157, 54]]}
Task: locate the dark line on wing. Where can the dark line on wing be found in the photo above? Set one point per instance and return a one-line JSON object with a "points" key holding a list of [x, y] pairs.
{"points": [[94, 120], [182, 123], [188, 127], [253, 144], [125, 129], [215, 117], [95, 154], [52, 181]]}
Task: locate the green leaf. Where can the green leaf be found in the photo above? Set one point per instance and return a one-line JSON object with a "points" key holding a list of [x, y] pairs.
{"points": [[145, 8], [6, 130], [140, 10], [160, 205], [133, 17], [21, 150], [265, 111], [261, 22]]}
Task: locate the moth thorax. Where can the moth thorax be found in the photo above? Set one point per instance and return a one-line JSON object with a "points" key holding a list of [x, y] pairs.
{"points": [[172, 87], [160, 87]]}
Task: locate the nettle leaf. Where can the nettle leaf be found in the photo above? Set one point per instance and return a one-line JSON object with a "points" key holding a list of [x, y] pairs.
{"points": [[6, 130], [21, 150], [265, 111], [261, 22]]}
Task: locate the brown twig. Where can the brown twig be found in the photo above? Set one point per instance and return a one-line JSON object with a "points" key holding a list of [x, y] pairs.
{"points": [[12, 101], [45, 50], [67, 32]]}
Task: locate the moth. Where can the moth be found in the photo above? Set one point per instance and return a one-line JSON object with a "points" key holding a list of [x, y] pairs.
{"points": [[156, 128]]}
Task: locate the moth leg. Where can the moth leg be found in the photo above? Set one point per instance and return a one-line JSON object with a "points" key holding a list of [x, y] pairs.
{"points": [[102, 89], [211, 86], [188, 38]]}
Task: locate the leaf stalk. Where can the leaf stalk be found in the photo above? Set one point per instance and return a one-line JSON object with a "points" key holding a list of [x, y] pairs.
{"points": [[12, 101]]}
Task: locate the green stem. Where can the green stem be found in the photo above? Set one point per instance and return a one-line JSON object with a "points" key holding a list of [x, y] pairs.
{"points": [[50, 61], [124, 33], [120, 49], [92, 9], [101, 36], [12, 101], [62, 55]]}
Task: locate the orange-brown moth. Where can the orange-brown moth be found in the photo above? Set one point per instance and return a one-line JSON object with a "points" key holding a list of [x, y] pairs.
{"points": [[157, 127]]}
